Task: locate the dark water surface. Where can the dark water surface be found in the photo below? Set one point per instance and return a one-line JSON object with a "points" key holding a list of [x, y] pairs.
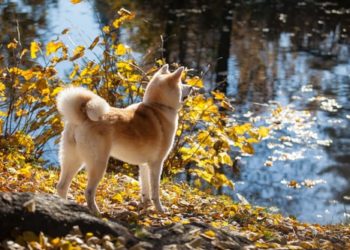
{"points": [[295, 53]]}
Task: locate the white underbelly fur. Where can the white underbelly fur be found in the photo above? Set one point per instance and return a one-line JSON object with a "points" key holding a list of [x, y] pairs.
{"points": [[129, 155]]}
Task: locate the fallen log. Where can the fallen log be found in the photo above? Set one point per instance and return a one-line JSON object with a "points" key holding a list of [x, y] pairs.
{"points": [[53, 216]]}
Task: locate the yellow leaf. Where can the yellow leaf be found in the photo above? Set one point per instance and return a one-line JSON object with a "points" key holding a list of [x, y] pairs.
{"points": [[118, 197], [263, 132], [226, 105], [218, 95], [121, 50], [94, 43], [75, 1], [89, 234], [195, 81], [262, 245], [224, 158], [242, 129], [203, 136], [56, 91], [56, 241], [197, 183], [210, 233], [106, 29], [176, 219], [160, 62], [2, 87], [248, 148], [78, 52], [21, 112], [25, 172], [125, 15], [45, 99], [74, 72], [252, 140], [34, 49], [52, 47], [277, 111], [12, 45], [124, 65]]}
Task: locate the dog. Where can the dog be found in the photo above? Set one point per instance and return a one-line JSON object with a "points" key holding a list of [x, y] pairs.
{"points": [[141, 134]]}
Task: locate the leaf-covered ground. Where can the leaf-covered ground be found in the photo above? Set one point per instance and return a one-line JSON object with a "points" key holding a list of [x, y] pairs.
{"points": [[195, 219]]}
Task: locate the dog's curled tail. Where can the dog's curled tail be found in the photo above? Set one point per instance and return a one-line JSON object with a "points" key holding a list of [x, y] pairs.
{"points": [[77, 104]]}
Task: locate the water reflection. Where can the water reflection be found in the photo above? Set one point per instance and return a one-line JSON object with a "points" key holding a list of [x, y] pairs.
{"points": [[292, 52], [278, 50], [269, 51]]}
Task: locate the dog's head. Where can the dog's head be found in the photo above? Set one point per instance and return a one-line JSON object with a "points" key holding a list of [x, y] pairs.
{"points": [[166, 88]]}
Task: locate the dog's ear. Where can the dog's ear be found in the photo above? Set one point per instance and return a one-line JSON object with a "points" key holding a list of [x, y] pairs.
{"points": [[164, 69], [176, 75]]}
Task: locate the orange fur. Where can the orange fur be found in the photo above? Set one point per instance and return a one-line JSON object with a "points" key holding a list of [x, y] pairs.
{"points": [[140, 134]]}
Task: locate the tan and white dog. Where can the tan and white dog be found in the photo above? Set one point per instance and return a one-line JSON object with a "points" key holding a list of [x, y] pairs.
{"points": [[140, 134]]}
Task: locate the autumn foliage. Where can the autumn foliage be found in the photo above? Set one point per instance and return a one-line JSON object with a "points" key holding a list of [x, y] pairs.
{"points": [[207, 138], [207, 141]]}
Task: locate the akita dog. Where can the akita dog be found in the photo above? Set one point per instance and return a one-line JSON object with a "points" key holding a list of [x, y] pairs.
{"points": [[141, 134]]}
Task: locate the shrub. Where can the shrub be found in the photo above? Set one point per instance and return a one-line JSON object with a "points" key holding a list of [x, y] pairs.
{"points": [[207, 135]]}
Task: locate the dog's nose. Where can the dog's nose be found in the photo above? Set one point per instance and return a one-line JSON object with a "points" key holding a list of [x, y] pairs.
{"points": [[186, 91]]}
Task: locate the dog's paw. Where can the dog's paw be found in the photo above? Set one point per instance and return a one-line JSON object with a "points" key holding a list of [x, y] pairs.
{"points": [[161, 209], [143, 206], [94, 210]]}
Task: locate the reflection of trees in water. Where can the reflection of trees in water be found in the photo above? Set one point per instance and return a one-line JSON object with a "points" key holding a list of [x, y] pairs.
{"points": [[271, 46], [30, 16], [21, 19], [197, 33], [265, 33], [340, 152], [272, 49], [190, 29]]}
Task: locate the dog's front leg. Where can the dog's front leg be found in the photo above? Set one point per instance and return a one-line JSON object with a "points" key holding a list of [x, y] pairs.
{"points": [[155, 174]]}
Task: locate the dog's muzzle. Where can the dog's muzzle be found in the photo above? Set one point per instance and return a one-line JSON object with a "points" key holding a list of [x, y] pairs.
{"points": [[188, 90]]}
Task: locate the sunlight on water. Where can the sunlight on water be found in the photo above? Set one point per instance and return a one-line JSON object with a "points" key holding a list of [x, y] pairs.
{"points": [[272, 56]]}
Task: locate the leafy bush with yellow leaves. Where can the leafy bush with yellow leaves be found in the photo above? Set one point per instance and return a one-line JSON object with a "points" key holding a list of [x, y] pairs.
{"points": [[29, 83]]}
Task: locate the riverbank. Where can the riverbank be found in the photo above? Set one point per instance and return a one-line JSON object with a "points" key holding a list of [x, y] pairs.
{"points": [[195, 219]]}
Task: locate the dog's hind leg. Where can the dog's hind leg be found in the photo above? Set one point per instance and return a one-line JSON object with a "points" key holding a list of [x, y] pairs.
{"points": [[155, 175], [96, 171], [96, 159], [70, 162], [144, 178]]}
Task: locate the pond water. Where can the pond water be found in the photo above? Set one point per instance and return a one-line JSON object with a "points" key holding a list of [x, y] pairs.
{"points": [[291, 53]]}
